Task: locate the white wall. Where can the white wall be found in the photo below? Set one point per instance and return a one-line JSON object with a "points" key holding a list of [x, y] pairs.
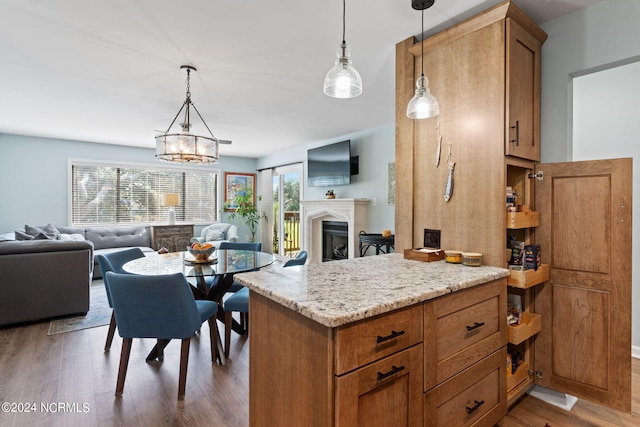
{"points": [[593, 39], [375, 149]]}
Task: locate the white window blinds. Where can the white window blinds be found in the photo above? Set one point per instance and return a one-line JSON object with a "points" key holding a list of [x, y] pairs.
{"points": [[126, 193]]}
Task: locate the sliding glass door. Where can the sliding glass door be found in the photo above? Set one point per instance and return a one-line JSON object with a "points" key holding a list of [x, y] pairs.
{"points": [[287, 192]]}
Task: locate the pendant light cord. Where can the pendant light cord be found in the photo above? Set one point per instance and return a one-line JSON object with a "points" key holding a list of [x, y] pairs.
{"points": [[422, 47], [344, 21]]}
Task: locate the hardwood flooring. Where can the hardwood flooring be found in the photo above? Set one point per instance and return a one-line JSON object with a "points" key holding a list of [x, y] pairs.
{"points": [[69, 380]]}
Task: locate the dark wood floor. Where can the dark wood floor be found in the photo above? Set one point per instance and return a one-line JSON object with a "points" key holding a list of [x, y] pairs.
{"points": [[72, 369]]}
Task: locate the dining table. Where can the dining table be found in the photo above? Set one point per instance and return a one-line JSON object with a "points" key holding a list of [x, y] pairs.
{"points": [[213, 277]]}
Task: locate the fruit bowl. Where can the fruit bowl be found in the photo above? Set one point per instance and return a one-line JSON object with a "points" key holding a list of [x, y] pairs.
{"points": [[201, 253]]}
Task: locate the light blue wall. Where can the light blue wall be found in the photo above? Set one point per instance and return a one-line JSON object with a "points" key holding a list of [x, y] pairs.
{"points": [[598, 37], [375, 149], [34, 175]]}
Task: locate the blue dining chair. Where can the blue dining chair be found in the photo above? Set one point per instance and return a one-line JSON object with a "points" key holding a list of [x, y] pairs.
{"points": [[160, 307], [114, 262], [300, 259], [239, 302]]}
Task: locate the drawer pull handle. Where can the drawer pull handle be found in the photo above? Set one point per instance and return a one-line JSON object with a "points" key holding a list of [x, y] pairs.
{"points": [[394, 370], [393, 335], [476, 325], [475, 407]]}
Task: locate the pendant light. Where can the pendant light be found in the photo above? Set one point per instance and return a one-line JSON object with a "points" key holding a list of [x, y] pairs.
{"points": [[343, 81], [423, 105], [185, 147]]}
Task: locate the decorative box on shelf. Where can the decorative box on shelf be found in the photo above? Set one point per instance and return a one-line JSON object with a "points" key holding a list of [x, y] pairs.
{"points": [[530, 325], [517, 220], [424, 254]]}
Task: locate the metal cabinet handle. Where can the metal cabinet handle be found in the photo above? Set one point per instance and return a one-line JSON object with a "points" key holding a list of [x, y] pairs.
{"points": [[476, 325], [475, 407], [394, 370], [517, 129], [393, 335]]}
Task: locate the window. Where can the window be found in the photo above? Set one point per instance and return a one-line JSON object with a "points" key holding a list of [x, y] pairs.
{"points": [[103, 193]]}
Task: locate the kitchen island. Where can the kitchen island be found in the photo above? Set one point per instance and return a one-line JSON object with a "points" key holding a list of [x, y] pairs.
{"points": [[376, 341]]}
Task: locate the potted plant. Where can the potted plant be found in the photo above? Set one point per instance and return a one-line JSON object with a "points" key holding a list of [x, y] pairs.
{"points": [[245, 208]]}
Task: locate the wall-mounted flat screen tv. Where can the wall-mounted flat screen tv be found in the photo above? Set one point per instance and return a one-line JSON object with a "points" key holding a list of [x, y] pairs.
{"points": [[329, 165]]}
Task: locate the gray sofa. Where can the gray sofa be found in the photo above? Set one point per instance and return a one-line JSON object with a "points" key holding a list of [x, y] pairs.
{"points": [[112, 239], [44, 278], [50, 276]]}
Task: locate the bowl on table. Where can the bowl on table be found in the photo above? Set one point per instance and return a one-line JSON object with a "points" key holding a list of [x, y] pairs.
{"points": [[202, 253]]}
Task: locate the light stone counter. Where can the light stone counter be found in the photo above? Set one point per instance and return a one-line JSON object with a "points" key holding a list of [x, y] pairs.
{"points": [[340, 292]]}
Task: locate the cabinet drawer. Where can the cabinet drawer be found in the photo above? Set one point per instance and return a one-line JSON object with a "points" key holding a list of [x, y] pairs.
{"points": [[387, 392], [463, 328], [475, 397], [372, 339]]}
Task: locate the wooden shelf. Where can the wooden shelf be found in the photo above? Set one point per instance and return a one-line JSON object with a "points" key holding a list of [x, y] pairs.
{"points": [[527, 278], [522, 373], [530, 325], [516, 220]]}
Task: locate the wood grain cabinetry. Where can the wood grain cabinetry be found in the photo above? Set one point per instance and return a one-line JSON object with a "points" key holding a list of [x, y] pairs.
{"points": [[424, 364], [173, 237], [465, 376]]}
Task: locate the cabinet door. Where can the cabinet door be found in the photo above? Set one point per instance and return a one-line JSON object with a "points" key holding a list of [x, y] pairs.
{"points": [[385, 393], [584, 348], [523, 93]]}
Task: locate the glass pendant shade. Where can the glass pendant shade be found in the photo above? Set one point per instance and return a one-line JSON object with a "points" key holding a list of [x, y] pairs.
{"points": [[186, 147], [423, 105], [343, 81]]}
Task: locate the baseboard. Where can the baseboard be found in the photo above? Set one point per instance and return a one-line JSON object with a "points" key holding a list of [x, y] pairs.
{"points": [[635, 351], [555, 398]]}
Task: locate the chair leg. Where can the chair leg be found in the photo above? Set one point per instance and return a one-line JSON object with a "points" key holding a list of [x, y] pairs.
{"points": [[217, 351], [184, 361], [124, 363], [228, 321], [111, 333]]}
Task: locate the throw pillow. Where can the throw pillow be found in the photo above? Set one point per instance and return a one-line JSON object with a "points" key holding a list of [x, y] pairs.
{"points": [[21, 235], [50, 230], [213, 235], [44, 236]]}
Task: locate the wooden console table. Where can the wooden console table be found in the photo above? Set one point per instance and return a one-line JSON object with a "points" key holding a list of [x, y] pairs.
{"points": [[173, 237]]}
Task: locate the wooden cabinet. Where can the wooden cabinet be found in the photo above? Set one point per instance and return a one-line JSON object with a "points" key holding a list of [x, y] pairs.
{"points": [[465, 375], [442, 356], [522, 100], [173, 237], [485, 73]]}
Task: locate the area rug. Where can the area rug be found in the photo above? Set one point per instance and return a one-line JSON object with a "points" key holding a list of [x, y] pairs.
{"points": [[99, 313]]}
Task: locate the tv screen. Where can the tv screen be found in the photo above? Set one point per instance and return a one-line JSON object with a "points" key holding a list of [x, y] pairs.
{"points": [[329, 165]]}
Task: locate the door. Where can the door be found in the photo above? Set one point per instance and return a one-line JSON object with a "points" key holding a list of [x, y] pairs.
{"points": [[286, 209], [584, 348]]}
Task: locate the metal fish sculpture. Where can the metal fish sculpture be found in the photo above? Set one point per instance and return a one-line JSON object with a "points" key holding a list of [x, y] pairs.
{"points": [[448, 189], [438, 151]]}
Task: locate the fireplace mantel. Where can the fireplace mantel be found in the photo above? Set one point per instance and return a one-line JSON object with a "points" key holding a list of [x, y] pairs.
{"points": [[313, 212]]}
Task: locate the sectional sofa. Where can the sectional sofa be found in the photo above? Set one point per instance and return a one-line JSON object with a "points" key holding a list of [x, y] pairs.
{"points": [[49, 276]]}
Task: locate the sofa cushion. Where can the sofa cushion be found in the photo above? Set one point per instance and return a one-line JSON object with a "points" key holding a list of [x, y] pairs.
{"points": [[119, 237], [21, 235]]}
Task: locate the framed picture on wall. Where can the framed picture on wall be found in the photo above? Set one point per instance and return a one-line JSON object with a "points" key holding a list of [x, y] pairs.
{"points": [[237, 183]]}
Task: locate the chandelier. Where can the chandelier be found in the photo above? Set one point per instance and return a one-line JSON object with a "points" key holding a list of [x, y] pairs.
{"points": [[183, 146]]}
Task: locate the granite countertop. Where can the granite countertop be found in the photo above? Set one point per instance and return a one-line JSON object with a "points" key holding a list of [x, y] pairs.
{"points": [[340, 292]]}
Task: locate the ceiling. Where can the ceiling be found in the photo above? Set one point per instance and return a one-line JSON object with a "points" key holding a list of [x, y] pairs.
{"points": [[109, 71]]}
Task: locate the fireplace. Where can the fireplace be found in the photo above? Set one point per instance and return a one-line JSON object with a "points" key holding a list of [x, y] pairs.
{"points": [[313, 213], [335, 240]]}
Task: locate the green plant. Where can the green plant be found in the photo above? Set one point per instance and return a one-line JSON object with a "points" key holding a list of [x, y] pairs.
{"points": [[244, 207]]}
